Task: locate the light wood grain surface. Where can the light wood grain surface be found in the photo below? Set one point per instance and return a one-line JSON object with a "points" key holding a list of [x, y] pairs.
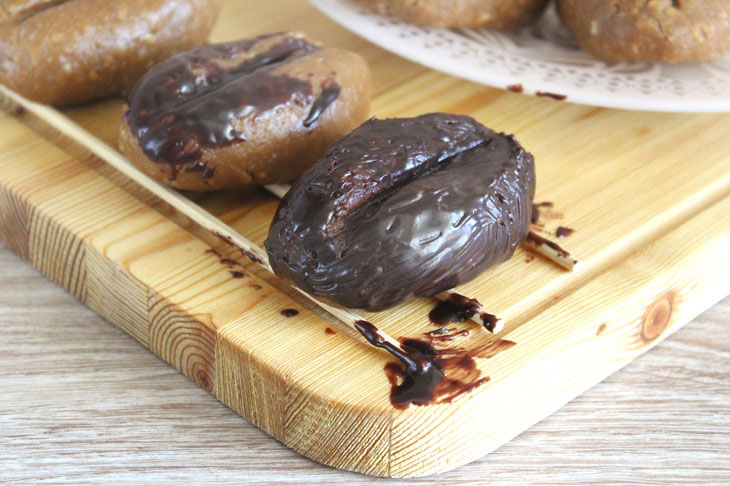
{"points": [[76, 410], [94, 405], [119, 273]]}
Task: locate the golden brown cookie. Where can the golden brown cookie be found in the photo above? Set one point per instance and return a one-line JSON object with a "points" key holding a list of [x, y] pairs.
{"points": [[493, 14], [70, 51], [255, 111], [669, 31]]}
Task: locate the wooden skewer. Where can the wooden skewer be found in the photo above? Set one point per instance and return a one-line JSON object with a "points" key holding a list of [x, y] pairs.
{"points": [[476, 312], [183, 205], [215, 226], [552, 251], [534, 242], [278, 190]]}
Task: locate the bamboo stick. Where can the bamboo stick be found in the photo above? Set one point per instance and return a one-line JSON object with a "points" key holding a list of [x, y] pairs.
{"points": [[552, 251], [208, 222], [534, 242], [183, 205]]}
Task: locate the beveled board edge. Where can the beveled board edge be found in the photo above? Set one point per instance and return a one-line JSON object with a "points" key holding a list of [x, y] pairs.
{"points": [[634, 303]]}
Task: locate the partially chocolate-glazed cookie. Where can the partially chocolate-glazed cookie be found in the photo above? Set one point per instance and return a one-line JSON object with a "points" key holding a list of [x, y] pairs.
{"points": [[403, 208], [507, 15], [255, 111], [69, 51], [669, 31]]}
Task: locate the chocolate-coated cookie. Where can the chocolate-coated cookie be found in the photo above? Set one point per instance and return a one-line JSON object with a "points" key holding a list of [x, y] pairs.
{"points": [[249, 112], [403, 208]]}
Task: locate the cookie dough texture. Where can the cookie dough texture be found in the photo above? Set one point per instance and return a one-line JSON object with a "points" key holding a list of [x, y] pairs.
{"points": [[668, 31], [64, 52], [507, 15]]}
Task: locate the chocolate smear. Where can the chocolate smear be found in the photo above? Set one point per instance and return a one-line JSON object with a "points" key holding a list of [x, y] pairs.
{"points": [[426, 375]]}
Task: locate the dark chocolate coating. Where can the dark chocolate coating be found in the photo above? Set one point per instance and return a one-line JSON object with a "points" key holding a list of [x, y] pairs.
{"points": [[403, 208], [194, 99]]}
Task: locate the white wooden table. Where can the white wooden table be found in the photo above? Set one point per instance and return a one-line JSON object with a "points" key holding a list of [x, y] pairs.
{"points": [[106, 411]]}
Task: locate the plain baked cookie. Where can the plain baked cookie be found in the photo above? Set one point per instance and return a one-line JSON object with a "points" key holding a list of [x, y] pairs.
{"points": [[249, 112], [494, 14], [62, 52], [669, 31]]}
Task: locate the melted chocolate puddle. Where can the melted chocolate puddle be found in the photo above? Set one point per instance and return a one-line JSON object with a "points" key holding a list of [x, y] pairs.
{"points": [[459, 308], [426, 375]]}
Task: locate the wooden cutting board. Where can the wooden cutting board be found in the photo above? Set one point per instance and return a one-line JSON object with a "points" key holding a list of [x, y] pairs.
{"points": [[648, 195]]}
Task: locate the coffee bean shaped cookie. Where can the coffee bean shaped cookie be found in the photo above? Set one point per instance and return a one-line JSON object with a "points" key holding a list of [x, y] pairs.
{"points": [[63, 52], [669, 31], [507, 15], [255, 111], [403, 208]]}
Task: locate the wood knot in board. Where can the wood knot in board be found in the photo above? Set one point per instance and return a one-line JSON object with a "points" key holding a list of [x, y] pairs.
{"points": [[202, 378], [656, 317]]}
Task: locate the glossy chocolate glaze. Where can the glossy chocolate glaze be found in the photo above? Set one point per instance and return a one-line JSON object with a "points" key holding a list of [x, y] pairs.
{"points": [[403, 208], [440, 331], [457, 308], [564, 232], [289, 312], [194, 99], [489, 321], [426, 375], [329, 94], [453, 373], [410, 357], [448, 336]]}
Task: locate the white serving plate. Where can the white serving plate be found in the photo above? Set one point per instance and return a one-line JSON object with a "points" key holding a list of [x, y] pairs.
{"points": [[543, 59]]}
